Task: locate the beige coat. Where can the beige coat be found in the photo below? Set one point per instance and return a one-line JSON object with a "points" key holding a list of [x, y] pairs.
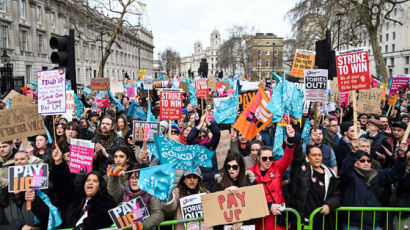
{"points": [[4, 172]]}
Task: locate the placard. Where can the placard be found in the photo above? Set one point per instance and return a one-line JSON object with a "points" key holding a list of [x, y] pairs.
{"points": [[170, 105], [245, 98], [100, 84], [353, 69], [148, 82], [191, 208], [304, 59], [315, 85], [131, 92], [201, 87], [69, 97], [144, 130], [392, 100], [81, 155], [223, 148], [212, 84], [24, 177], [116, 87], [183, 86], [327, 108], [227, 208], [398, 83], [128, 213], [369, 101], [20, 122], [141, 74], [51, 92]]}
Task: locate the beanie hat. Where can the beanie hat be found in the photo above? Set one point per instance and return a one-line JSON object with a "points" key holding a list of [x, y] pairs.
{"points": [[345, 126]]}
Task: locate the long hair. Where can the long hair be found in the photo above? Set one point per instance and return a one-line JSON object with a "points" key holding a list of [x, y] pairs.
{"points": [[226, 179], [102, 190], [183, 189], [62, 141], [106, 139], [125, 129]]}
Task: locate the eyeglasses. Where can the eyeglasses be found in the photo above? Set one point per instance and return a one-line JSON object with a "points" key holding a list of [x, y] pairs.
{"points": [[364, 160], [201, 136], [267, 158], [233, 167]]}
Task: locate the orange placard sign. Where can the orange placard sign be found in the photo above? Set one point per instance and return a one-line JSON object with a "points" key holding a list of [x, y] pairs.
{"points": [[304, 59]]}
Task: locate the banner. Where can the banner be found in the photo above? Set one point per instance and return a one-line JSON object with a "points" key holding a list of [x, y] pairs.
{"points": [[255, 117], [144, 131], [51, 92], [369, 101], [201, 87], [148, 83], [353, 69], [304, 59], [100, 84], [24, 177], [81, 155], [227, 208], [245, 98], [116, 87], [20, 122], [227, 111], [223, 147], [128, 213], [130, 92], [170, 105], [191, 208], [315, 85], [398, 83]]}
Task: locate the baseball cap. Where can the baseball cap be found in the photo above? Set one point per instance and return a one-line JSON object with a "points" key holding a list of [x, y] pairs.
{"points": [[164, 123], [376, 122], [196, 172], [360, 153]]}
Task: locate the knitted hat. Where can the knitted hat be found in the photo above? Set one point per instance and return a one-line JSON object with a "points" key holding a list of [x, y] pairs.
{"points": [[345, 126]]}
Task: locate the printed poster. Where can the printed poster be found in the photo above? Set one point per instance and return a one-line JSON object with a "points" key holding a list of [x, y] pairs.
{"points": [[81, 155], [51, 92], [353, 69]]}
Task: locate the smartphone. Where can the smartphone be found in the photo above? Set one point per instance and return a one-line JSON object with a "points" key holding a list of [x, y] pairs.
{"points": [[282, 206]]}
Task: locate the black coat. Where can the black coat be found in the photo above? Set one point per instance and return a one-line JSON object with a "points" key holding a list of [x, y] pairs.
{"points": [[341, 150], [403, 193]]}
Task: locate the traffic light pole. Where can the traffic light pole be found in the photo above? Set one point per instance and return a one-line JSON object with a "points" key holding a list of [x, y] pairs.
{"points": [[71, 61]]}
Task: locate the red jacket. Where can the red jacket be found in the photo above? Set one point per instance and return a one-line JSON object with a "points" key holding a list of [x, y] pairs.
{"points": [[273, 178]]}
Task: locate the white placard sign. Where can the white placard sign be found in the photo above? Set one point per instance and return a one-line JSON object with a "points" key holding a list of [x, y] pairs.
{"points": [[51, 92]]}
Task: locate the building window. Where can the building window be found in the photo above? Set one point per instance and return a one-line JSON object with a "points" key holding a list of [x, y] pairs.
{"points": [[392, 61], [275, 52], [53, 19], [266, 74], [380, 38], [406, 70], [364, 42], [4, 33], [22, 8], [387, 37], [267, 63], [407, 60], [23, 39], [387, 25], [38, 14], [267, 52], [394, 35], [28, 73], [393, 48], [259, 42], [259, 52], [40, 43], [259, 64], [395, 11], [275, 62], [267, 43], [2, 5], [386, 49]]}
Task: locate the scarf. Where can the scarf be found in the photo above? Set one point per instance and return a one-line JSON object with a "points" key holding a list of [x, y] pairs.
{"points": [[366, 175], [54, 218], [202, 141], [182, 139], [130, 194]]}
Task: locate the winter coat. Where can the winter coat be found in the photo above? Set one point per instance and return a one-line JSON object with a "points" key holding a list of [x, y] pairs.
{"points": [[342, 149], [378, 140], [403, 193], [15, 212], [208, 173], [116, 190], [357, 193], [273, 184], [235, 147], [101, 163], [4, 171]]}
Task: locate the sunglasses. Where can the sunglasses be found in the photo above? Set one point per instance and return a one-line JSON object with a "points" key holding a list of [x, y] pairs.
{"points": [[267, 158], [173, 131], [364, 160], [201, 136], [233, 167]]}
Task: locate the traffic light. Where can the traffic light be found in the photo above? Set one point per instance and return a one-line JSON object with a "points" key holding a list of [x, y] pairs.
{"points": [[65, 56]]}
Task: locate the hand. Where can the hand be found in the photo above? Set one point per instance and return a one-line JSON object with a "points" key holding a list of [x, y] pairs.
{"points": [[144, 155], [130, 141], [355, 144], [232, 189], [325, 209], [26, 227], [387, 151], [30, 195], [275, 209], [109, 167], [237, 226], [290, 132], [403, 148], [57, 156]]}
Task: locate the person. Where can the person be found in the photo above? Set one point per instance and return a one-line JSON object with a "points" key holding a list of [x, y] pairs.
{"points": [[269, 173], [399, 129], [361, 185], [121, 127], [233, 176], [122, 158], [42, 150], [330, 135], [363, 119], [328, 156], [184, 134], [313, 185], [29, 150], [93, 122], [345, 144], [71, 130], [130, 191], [365, 145], [403, 197], [239, 143], [405, 118], [191, 183], [20, 158], [6, 160], [253, 157], [387, 130]]}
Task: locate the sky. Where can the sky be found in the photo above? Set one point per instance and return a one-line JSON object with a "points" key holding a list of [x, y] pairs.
{"points": [[179, 23]]}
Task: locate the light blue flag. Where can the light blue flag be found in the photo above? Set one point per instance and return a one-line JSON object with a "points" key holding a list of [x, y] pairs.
{"points": [[101, 94], [305, 132], [34, 84], [280, 135], [87, 90], [192, 93], [186, 156], [160, 78], [158, 180], [54, 218], [137, 111], [174, 86], [8, 105], [50, 139], [150, 116], [227, 112], [79, 106], [115, 100]]}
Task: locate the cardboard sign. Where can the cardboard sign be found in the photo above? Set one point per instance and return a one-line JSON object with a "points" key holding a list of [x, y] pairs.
{"points": [[126, 214], [81, 155], [212, 84], [398, 83], [20, 122], [116, 87], [170, 105], [223, 147], [51, 92], [327, 108], [10, 95], [245, 98], [304, 59], [69, 97], [227, 208], [100, 84], [131, 92], [148, 82], [183, 86], [369, 101], [315, 85], [201, 87], [392, 100], [353, 69], [144, 131], [191, 208], [141, 74], [22, 178]]}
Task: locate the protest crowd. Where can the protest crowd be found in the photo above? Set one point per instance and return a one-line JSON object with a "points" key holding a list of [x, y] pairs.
{"points": [[134, 156]]}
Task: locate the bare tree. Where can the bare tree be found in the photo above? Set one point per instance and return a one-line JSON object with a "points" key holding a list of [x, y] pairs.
{"points": [[171, 60]]}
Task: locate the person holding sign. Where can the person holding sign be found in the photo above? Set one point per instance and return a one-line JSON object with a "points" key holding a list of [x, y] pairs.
{"points": [[6, 160], [191, 183], [131, 191]]}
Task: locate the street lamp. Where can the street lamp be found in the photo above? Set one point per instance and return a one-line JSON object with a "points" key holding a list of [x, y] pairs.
{"points": [[102, 51], [339, 16], [4, 57]]}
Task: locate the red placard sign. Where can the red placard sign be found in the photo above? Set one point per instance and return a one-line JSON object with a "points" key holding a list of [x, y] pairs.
{"points": [[353, 69], [171, 105], [398, 83], [201, 87]]}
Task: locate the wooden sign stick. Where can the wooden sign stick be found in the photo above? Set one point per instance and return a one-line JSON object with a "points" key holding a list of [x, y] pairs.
{"points": [[341, 115], [315, 125], [354, 113], [406, 134]]}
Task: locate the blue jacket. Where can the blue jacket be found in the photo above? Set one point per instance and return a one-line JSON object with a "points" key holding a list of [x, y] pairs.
{"points": [[355, 192]]}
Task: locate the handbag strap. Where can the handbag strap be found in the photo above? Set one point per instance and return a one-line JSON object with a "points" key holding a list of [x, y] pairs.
{"points": [[269, 192]]}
